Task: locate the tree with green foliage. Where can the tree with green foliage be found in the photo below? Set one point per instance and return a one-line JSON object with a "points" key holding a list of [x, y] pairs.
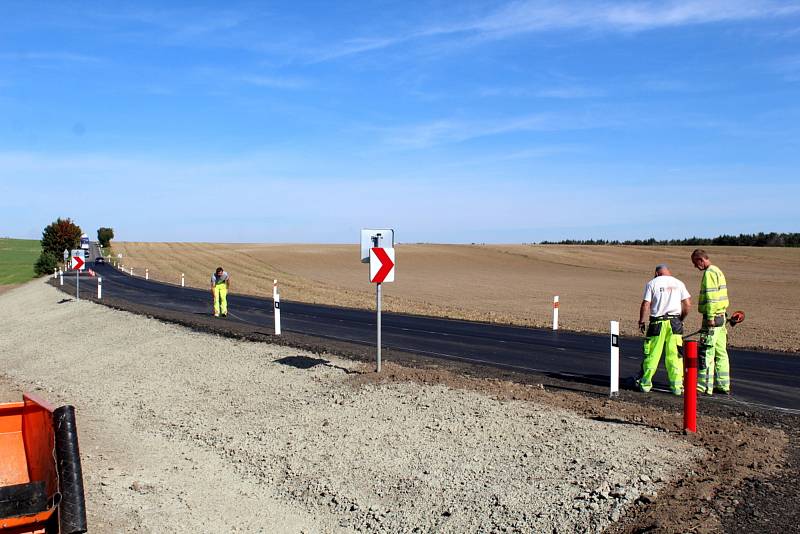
{"points": [[46, 263], [59, 236], [104, 236]]}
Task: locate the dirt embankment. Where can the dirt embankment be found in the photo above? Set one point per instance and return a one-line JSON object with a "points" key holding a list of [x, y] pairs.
{"points": [[177, 425], [498, 283]]}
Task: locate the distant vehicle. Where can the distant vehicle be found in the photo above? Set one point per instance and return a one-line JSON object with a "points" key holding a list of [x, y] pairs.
{"points": [[85, 242], [99, 260]]}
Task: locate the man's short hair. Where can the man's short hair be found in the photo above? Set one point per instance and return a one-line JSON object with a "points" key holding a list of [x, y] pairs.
{"points": [[661, 267], [219, 270], [700, 253]]}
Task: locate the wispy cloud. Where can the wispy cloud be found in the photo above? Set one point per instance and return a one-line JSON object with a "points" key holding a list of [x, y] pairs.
{"points": [[275, 82], [446, 131], [531, 16], [60, 57], [558, 92], [536, 15]]}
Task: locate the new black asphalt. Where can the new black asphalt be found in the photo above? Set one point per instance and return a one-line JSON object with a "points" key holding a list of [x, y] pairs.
{"points": [[764, 379]]}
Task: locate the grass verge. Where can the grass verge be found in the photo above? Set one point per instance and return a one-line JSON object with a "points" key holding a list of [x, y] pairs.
{"points": [[17, 257]]}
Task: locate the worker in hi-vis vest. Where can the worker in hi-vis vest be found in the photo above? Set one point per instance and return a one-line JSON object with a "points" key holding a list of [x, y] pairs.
{"points": [[220, 284], [665, 304], [714, 373]]}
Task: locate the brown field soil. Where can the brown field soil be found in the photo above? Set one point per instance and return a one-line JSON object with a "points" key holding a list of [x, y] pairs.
{"points": [[512, 284]]}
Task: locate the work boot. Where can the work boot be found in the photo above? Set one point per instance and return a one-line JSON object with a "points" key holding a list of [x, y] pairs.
{"points": [[722, 391], [224, 314]]}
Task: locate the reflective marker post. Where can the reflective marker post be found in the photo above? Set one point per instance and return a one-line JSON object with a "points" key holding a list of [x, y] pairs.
{"points": [[182, 281], [690, 386], [61, 278], [147, 274], [555, 312], [276, 303], [99, 287], [614, 386]]}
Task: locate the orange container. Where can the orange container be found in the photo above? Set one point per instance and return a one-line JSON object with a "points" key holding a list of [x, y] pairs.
{"points": [[29, 494]]}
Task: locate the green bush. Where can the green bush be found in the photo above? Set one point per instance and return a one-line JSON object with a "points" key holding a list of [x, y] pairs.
{"points": [[46, 263], [104, 236]]}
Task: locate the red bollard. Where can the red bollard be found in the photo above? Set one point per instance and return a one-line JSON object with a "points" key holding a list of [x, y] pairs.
{"points": [[690, 386]]}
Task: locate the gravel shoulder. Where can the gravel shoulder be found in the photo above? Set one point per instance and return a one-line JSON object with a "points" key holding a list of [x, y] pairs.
{"points": [[220, 434]]}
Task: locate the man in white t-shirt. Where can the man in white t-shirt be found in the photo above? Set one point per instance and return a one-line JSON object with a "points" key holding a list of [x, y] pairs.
{"points": [[666, 303]]}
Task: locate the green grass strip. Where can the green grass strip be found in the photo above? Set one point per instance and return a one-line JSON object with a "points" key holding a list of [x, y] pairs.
{"points": [[17, 257]]}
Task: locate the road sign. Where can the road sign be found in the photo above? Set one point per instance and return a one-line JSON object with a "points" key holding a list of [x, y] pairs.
{"points": [[78, 263], [370, 238], [66, 254], [381, 265]]}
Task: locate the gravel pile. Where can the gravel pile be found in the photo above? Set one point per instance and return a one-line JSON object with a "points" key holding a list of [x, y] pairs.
{"points": [[218, 435]]}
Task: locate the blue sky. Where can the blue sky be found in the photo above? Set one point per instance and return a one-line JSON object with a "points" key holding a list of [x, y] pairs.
{"points": [[448, 121]]}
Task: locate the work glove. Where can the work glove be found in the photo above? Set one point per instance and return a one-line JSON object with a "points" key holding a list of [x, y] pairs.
{"points": [[642, 327]]}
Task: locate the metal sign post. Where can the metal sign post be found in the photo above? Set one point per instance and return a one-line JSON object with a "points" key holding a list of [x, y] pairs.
{"points": [[378, 306], [381, 269], [77, 264]]}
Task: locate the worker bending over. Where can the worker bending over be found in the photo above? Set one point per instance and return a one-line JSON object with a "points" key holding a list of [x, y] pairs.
{"points": [[220, 284], [666, 303]]}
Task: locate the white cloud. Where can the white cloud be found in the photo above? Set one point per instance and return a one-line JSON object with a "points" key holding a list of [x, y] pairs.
{"points": [[275, 82], [446, 131], [566, 92], [64, 57], [530, 16]]}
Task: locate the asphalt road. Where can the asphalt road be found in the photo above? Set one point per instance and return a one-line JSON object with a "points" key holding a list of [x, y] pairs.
{"points": [[765, 379]]}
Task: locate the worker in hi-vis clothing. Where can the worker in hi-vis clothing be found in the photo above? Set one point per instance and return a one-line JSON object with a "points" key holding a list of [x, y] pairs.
{"points": [[220, 284], [714, 371], [666, 304]]}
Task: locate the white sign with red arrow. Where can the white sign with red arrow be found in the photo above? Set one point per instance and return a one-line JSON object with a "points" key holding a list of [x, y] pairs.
{"points": [[77, 263], [381, 265]]}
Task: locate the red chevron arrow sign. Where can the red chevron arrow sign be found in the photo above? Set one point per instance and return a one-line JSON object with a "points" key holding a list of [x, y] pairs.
{"points": [[381, 265], [77, 263]]}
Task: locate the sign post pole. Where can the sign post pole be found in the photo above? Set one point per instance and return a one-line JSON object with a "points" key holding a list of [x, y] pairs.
{"points": [[378, 299], [78, 284]]}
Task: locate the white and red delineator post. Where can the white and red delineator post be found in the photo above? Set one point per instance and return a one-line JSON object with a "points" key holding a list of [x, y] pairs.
{"points": [[276, 303], [614, 374], [99, 287], [555, 312], [183, 281], [147, 274], [381, 269]]}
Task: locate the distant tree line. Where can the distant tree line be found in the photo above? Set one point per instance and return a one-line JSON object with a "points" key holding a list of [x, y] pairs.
{"points": [[761, 239]]}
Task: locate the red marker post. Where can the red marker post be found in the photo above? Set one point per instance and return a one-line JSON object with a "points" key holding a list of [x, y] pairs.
{"points": [[690, 386]]}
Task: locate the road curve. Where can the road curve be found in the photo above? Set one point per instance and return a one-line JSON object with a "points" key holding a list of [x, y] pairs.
{"points": [[765, 379]]}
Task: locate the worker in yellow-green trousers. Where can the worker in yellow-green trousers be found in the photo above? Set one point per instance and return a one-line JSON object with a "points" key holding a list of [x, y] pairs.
{"points": [[714, 370], [220, 284], [665, 304]]}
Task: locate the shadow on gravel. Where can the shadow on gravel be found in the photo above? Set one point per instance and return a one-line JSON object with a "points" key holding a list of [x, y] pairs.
{"points": [[616, 421], [305, 362], [62, 301]]}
